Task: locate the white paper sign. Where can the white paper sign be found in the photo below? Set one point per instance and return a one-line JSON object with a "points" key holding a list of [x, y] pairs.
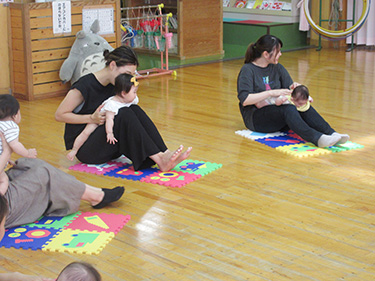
{"points": [[62, 17], [105, 17]]}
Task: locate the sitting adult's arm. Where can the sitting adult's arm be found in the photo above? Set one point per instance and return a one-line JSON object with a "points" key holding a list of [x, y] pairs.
{"points": [[249, 95], [64, 112], [258, 97]]}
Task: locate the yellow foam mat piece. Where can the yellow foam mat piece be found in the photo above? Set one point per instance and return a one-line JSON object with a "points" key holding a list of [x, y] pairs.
{"points": [[79, 242], [303, 150]]}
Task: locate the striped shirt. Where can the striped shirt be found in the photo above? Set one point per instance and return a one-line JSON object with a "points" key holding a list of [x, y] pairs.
{"points": [[10, 130]]}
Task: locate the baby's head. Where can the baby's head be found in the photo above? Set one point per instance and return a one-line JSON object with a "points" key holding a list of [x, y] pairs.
{"points": [[300, 95], [4, 209], [79, 271], [9, 108], [126, 86]]}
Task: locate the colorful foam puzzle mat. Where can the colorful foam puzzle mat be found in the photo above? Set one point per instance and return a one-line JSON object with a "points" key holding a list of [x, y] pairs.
{"points": [[185, 172], [171, 178], [80, 233], [290, 143]]}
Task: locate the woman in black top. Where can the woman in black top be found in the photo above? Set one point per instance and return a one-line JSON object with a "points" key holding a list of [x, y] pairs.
{"points": [[262, 77], [138, 138]]}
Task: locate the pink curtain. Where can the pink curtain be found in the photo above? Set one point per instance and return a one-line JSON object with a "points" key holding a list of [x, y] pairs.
{"points": [[365, 35]]}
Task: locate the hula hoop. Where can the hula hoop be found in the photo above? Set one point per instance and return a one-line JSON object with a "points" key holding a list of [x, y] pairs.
{"points": [[337, 34]]}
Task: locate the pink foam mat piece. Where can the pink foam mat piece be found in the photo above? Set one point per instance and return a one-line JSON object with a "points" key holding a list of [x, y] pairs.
{"points": [[171, 178], [98, 169], [99, 222], [294, 135]]}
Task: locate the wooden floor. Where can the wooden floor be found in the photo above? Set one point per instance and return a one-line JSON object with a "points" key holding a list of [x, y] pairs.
{"points": [[264, 215]]}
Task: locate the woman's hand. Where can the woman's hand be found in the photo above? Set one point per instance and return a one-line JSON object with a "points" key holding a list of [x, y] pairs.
{"points": [[98, 117], [295, 84]]}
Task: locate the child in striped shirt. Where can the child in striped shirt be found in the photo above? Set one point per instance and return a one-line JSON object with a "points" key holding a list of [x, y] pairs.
{"points": [[10, 117]]}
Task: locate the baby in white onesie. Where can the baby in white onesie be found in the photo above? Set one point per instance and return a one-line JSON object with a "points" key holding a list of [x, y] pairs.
{"points": [[124, 97]]}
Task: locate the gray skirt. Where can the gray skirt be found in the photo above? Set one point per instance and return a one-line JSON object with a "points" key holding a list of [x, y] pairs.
{"points": [[37, 188]]}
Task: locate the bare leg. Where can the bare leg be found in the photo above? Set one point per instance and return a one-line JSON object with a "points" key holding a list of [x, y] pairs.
{"points": [[93, 195], [80, 140], [168, 160], [101, 197]]}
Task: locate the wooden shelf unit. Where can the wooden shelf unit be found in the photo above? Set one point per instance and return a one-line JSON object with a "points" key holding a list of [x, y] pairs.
{"points": [[200, 25], [36, 54]]}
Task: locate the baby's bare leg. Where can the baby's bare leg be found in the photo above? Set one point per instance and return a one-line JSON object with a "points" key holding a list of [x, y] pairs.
{"points": [[80, 140]]}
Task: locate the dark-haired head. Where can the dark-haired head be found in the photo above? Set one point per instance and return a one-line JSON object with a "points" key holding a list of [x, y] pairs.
{"points": [[9, 106], [79, 271], [300, 92], [123, 55], [124, 82], [266, 43]]}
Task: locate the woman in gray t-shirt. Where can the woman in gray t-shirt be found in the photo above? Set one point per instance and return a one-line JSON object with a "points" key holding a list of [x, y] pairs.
{"points": [[262, 77]]}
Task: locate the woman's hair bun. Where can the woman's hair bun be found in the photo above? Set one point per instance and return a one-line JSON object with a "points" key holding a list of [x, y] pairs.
{"points": [[105, 53]]}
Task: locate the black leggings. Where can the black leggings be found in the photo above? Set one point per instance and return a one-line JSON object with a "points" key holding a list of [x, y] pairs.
{"points": [[309, 125], [137, 137]]}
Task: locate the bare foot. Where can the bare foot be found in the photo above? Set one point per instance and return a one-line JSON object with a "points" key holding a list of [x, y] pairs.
{"points": [[169, 160], [71, 155]]}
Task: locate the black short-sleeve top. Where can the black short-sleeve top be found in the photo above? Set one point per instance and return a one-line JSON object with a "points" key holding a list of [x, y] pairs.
{"points": [[253, 79], [93, 94]]}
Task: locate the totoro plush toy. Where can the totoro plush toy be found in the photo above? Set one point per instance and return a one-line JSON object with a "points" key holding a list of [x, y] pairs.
{"points": [[86, 55]]}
